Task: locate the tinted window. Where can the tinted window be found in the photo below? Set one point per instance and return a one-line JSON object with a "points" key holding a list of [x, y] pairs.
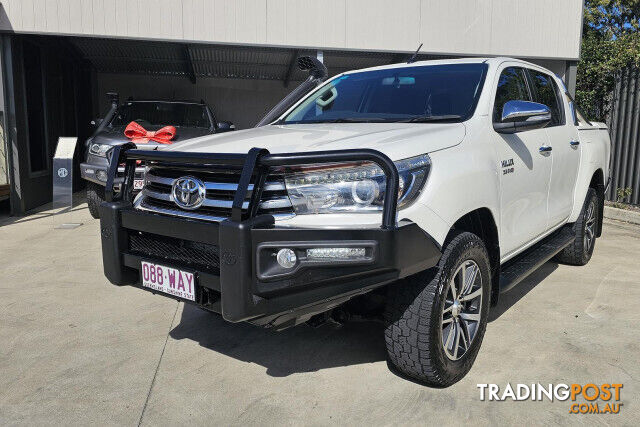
{"points": [[512, 86], [546, 92], [448, 92], [162, 114]]}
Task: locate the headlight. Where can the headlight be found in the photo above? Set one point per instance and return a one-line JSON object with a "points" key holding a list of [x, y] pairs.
{"points": [[354, 188], [100, 149]]}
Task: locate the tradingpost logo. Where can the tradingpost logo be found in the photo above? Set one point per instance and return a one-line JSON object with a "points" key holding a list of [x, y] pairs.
{"points": [[584, 398]]}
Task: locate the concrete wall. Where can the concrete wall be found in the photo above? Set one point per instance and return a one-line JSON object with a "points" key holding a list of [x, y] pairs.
{"points": [[241, 101], [522, 28]]}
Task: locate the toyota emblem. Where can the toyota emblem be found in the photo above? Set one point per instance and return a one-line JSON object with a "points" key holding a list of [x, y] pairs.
{"points": [[188, 192]]}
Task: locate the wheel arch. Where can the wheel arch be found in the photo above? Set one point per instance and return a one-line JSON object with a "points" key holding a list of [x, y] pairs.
{"points": [[482, 223]]}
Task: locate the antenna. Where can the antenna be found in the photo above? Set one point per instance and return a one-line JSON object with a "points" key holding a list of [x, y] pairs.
{"points": [[415, 55]]}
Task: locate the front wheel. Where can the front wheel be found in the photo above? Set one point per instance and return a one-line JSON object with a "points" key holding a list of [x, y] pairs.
{"points": [[95, 196], [435, 321]]}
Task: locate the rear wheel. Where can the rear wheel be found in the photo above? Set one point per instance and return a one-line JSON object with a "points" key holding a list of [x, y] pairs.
{"points": [[95, 196], [435, 321], [585, 229]]}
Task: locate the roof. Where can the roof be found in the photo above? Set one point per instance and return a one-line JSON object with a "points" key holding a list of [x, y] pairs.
{"points": [[423, 63], [431, 62], [217, 61]]}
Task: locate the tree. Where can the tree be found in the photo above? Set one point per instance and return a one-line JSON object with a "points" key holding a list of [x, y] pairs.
{"points": [[610, 42], [611, 18]]}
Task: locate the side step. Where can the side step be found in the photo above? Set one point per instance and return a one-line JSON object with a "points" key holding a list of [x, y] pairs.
{"points": [[518, 268]]}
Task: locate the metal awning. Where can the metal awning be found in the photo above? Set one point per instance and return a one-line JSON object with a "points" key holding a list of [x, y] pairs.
{"points": [[195, 61]]}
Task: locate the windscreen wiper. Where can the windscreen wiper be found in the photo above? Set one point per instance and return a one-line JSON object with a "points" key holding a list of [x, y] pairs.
{"points": [[430, 119], [353, 120]]}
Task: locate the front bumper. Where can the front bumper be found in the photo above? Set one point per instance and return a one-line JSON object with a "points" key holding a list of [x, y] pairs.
{"points": [[239, 286], [98, 173], [233, 261], [95, 169]]}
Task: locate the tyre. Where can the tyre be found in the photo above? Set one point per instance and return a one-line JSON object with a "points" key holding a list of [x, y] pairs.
{"points": [[585, 228], [95, 196], [435, 320]]}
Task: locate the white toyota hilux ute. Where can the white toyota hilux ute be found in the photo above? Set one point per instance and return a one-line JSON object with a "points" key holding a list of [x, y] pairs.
{"points": [[423, 190]]}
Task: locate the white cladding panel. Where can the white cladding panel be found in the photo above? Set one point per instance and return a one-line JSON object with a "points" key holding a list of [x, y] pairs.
{"points": [[523, 28]]}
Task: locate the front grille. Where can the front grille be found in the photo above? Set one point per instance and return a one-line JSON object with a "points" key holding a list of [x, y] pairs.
{"points": [[221, 186], [201, 256]]}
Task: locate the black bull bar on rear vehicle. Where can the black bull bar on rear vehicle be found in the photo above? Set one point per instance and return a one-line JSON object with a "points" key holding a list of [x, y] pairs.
{"points": [[237, 288]]}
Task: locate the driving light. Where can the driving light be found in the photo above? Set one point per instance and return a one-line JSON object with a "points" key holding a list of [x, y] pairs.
{"points": [[356, 188], [100, 149], [101, 175], [286, 258], [335, 253]]}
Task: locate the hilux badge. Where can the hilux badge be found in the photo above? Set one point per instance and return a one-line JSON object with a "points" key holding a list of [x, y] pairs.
{"points": [[507, 166], [188, 192]]}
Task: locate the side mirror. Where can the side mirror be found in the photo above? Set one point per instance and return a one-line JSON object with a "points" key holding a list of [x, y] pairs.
{"points": [[95, 123], [518, 116], [226, 127]]}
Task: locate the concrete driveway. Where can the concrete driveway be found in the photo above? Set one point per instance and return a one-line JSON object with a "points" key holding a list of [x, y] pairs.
{"points": [[76, 350]]}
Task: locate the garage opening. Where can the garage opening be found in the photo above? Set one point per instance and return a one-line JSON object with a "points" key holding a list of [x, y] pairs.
{"points": [[54, 86]]}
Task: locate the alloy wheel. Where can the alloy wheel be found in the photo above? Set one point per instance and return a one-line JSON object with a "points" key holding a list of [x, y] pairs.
{"points": [[460, 319], [589, 227]]}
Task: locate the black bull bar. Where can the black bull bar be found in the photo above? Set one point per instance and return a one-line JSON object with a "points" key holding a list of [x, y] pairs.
{"points": [[238, 291]]}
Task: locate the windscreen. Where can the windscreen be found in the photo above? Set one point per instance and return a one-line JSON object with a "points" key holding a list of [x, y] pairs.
{"points": [[419, 93], [162, 114]]}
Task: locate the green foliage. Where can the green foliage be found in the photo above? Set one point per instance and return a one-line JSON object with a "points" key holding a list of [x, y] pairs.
{"points": [[611, 41], [622, 194], [611, 18]]}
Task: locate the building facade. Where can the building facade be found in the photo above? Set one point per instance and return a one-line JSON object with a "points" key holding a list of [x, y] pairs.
{"points": [[59, 57]]}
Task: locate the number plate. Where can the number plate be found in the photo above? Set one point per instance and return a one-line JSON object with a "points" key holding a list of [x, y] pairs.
{"points": [[138, 184], [168, 280]]}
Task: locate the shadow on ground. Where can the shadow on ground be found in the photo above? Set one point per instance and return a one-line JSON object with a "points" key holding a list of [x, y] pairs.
{"points": [[306, 349], [294, 350], [510, 298], [41, 212]]}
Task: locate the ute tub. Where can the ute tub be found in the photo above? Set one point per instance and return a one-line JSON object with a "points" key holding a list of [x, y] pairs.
{"points": [[234, 261]]}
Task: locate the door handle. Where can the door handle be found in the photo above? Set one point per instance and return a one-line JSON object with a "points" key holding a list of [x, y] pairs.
{"points": [[574, 143], [545, 149]]}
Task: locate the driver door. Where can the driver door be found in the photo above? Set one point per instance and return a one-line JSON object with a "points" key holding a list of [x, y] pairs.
{"points": [[524, 170]]}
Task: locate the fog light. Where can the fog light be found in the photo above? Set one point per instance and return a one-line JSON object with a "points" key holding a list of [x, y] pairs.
{"points": [[336, 253], [102, 176], [89, 171], [286, 258]]}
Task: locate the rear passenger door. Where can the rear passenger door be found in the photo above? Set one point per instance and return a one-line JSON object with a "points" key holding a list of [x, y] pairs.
{"points": [[524, 170], [564, 142]]}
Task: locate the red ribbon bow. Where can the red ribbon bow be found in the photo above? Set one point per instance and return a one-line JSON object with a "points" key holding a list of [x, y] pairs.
{"points": [[140, 135]]}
